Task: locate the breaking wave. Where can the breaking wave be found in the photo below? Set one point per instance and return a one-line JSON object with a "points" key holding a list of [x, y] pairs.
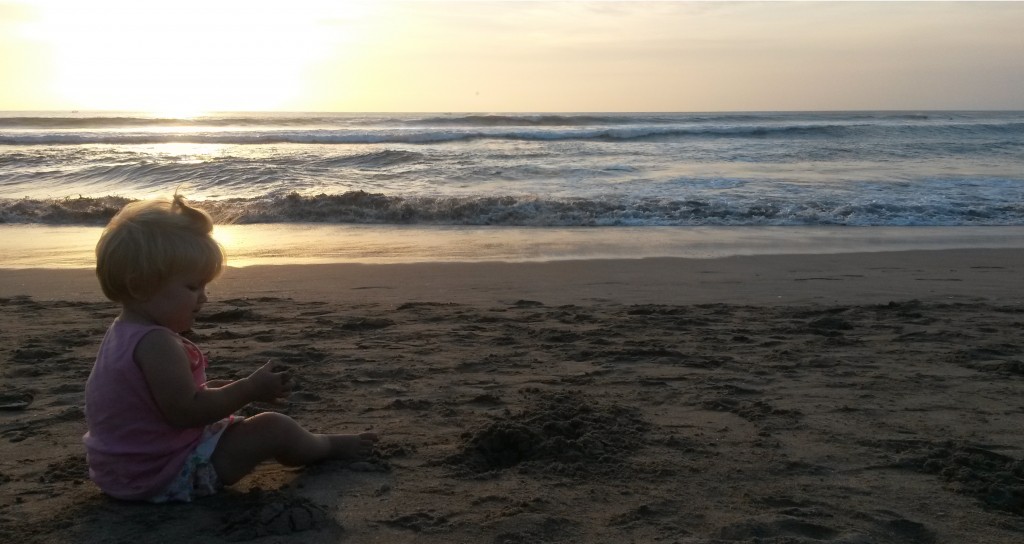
{"points": [[359, 207], [255, 129], [387, 136]]}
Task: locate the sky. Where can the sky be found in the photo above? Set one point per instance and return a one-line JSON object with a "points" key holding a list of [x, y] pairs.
{"points": [[185, 57]]}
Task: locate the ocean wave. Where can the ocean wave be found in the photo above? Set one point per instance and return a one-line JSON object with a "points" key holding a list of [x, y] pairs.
{"points": [[237, 174], [583, 119], [542, 120], [91, 122], [281, 121], [359, 207], [298, 120], [375, 159], [130, 121], [412, 136], [127, 120], [65, 211]]}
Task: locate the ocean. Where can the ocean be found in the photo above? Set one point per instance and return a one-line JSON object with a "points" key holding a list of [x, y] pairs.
{"points": [[290, 187]]}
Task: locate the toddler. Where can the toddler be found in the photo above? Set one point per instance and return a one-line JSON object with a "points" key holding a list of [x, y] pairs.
{"points": [[157, 430]]}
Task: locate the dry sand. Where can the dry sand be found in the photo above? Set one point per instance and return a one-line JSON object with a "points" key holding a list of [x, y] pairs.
{"points": [[831, 398]]}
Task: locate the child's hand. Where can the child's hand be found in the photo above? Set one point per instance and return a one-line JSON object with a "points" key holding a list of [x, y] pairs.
{"points": [[269, 386]]}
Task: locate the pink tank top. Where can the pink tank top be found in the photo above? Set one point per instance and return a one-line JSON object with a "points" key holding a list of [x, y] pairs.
{"points": [[132, 452]]}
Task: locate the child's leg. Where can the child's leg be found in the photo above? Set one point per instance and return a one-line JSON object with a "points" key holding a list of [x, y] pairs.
{"points": [[271, 435]]}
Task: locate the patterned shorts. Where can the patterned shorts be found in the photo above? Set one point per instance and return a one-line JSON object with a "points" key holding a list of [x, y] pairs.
{"points": [[198, 477]]}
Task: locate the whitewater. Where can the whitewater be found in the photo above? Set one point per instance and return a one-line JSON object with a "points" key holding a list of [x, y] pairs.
{"points": [[582, 185]]}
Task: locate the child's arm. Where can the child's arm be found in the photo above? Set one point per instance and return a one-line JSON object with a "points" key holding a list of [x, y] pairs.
{"points": [[165, 365]]}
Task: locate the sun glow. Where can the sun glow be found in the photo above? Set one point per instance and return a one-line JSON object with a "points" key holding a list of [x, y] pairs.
{"points": [[183, 58], [186, 58]]}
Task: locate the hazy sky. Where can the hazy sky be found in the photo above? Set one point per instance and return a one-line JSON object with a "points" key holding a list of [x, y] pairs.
{"points": [[189, 56]]}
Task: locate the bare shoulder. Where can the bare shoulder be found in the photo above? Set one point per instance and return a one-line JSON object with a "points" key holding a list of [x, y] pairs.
{"points": [[164, 363], [160, 347]]}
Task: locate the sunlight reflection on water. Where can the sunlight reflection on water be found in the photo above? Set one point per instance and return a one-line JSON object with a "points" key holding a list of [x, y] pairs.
{"points": [[39, 246]]}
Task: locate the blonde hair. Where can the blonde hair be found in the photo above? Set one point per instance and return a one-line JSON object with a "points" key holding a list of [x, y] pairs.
{"points": [[151, 241]]}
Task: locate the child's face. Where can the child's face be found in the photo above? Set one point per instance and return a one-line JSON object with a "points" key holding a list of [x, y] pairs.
{"points": [[176, 303]]}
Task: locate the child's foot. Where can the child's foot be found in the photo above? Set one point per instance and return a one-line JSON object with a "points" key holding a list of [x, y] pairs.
{"points": [[352, 446]]}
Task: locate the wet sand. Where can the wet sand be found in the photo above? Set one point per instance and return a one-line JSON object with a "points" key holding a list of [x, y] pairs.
{"points": [[820, 398]]}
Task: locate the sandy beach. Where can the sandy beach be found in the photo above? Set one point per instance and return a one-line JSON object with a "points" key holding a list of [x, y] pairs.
{"points": [[854, 398]]}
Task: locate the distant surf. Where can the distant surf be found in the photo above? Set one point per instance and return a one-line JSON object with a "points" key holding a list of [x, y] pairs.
{"points": [[358, 207], [536, 170]]}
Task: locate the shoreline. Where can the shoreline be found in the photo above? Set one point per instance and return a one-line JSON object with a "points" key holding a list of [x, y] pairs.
{"points": [[838, 278], [52, 246]]}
